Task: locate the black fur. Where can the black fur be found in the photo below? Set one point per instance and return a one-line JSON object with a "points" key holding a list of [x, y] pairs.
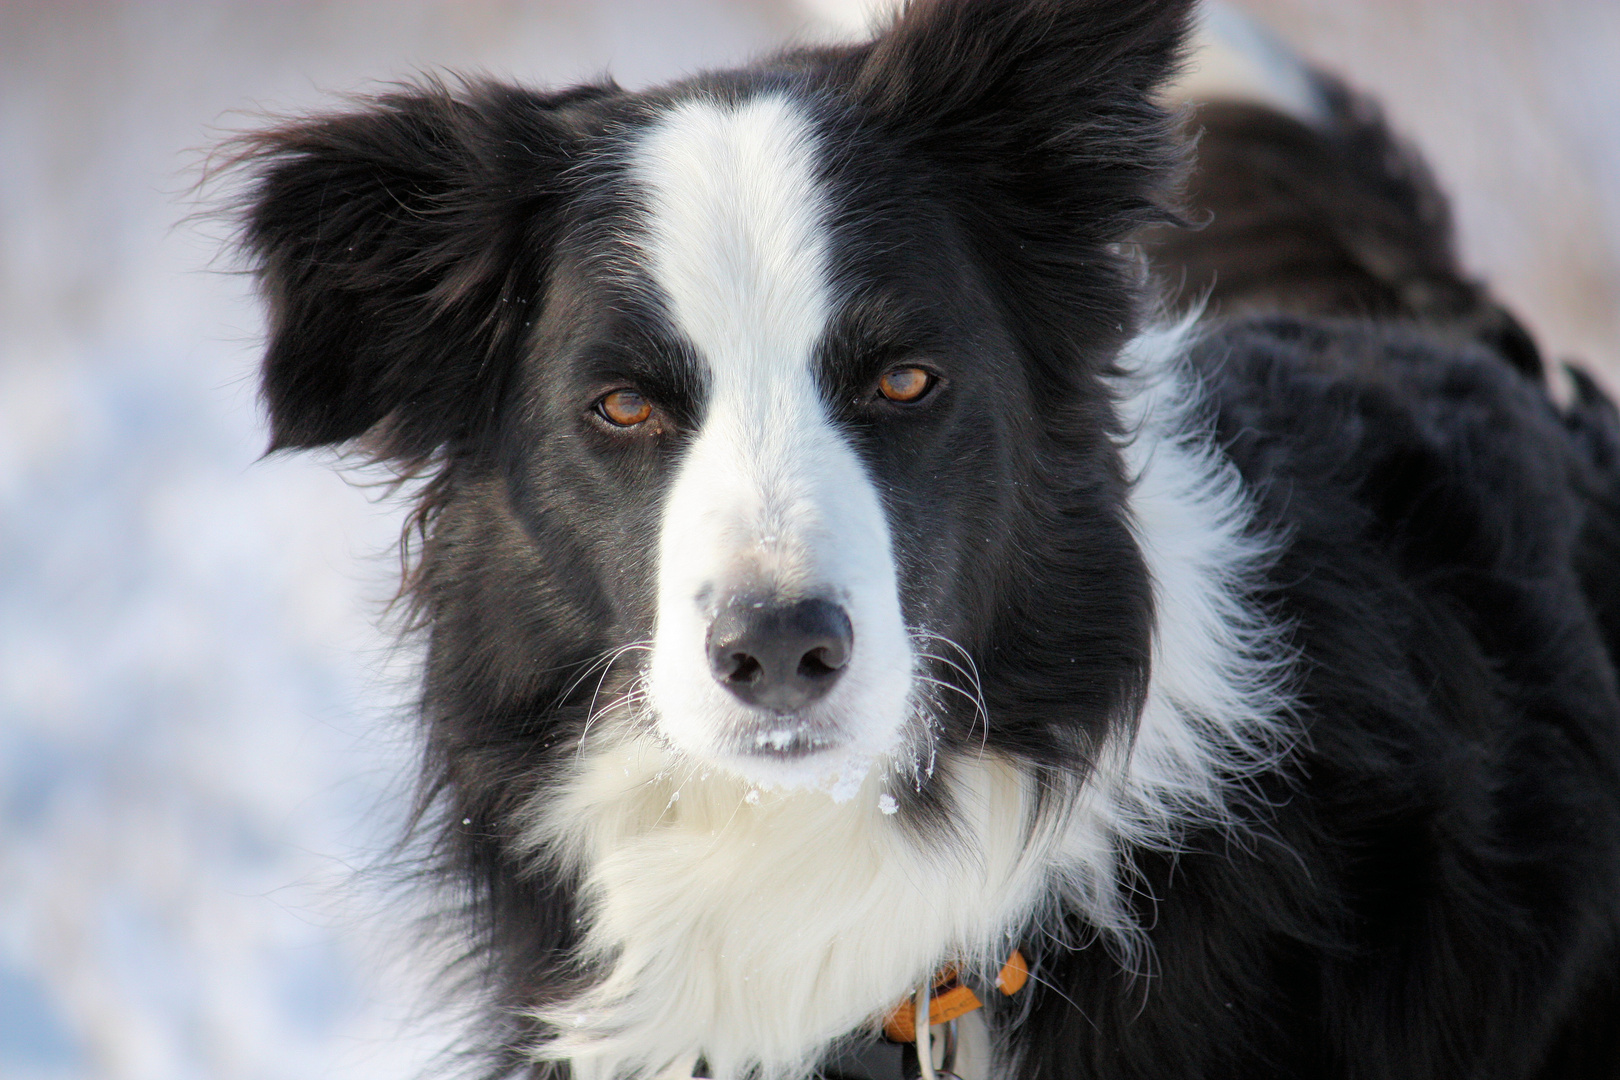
{"points": [[1333, 217], [1433, 884]]}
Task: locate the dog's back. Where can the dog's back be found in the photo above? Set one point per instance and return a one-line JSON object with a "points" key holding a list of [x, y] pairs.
{"points": [[1354, 354], [1303, 203]]}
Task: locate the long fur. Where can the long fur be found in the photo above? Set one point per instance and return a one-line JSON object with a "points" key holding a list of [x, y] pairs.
{"points": [[1255, 679]]}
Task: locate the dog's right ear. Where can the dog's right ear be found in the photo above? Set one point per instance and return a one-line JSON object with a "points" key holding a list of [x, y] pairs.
{"points": [[402, 248]]}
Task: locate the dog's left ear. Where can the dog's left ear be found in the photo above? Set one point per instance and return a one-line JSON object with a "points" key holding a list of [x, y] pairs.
{"points": [[1043, 111]]}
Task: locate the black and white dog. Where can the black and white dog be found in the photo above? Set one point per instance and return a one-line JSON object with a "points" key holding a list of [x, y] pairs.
{"points": [[832, 575]]}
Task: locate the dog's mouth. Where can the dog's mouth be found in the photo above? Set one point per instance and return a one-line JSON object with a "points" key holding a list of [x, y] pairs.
{"points": [[803, 751], [786, 738]]}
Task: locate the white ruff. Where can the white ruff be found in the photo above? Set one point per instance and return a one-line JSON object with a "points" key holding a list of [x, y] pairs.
{"points": [[754, 927], [738, 916], [1220, 693]]}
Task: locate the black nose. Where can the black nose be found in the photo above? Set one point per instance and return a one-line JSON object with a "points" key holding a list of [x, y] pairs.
{"points": [[780, 657]]}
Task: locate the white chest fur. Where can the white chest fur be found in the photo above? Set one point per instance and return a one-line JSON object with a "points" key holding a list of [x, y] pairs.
{"points": [[754, 927]]}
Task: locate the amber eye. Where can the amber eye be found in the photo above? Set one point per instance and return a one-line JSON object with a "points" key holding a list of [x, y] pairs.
{"points": [[905, 384], [624, 408]]}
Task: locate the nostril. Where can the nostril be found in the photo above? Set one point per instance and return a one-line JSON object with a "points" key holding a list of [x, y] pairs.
{"points": [[819, 663], [740, 669]]}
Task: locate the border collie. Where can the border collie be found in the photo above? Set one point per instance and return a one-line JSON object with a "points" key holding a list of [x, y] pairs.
{"points": [[843, 587]]}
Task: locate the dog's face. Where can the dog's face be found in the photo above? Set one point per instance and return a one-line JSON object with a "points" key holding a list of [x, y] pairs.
{"points": [[775, 388], [791, 415]]}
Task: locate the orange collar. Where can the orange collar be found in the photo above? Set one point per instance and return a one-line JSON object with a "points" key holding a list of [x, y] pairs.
{"points": [[949, 999]]}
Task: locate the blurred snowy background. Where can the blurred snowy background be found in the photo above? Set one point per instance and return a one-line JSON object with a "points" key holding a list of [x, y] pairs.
{"points": [[200, 712]]}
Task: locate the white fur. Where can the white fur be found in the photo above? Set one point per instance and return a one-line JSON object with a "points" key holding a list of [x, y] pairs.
{"points": [[739, 914], [1220, 687], [756, 927], [770, 497]]}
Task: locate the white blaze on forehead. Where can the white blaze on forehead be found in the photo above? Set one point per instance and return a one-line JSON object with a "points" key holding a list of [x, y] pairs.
{"points": [[770, 497], [736, 233]]}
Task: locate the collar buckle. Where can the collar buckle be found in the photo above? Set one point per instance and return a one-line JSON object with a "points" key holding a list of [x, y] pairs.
{"points": [[943, 1003]]}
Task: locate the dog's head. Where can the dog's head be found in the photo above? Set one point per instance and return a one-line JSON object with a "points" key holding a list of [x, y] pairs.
{"points": [[786, 388]]}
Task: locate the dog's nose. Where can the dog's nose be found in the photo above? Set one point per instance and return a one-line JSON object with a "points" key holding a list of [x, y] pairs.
{"points": [[780, 656]]}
